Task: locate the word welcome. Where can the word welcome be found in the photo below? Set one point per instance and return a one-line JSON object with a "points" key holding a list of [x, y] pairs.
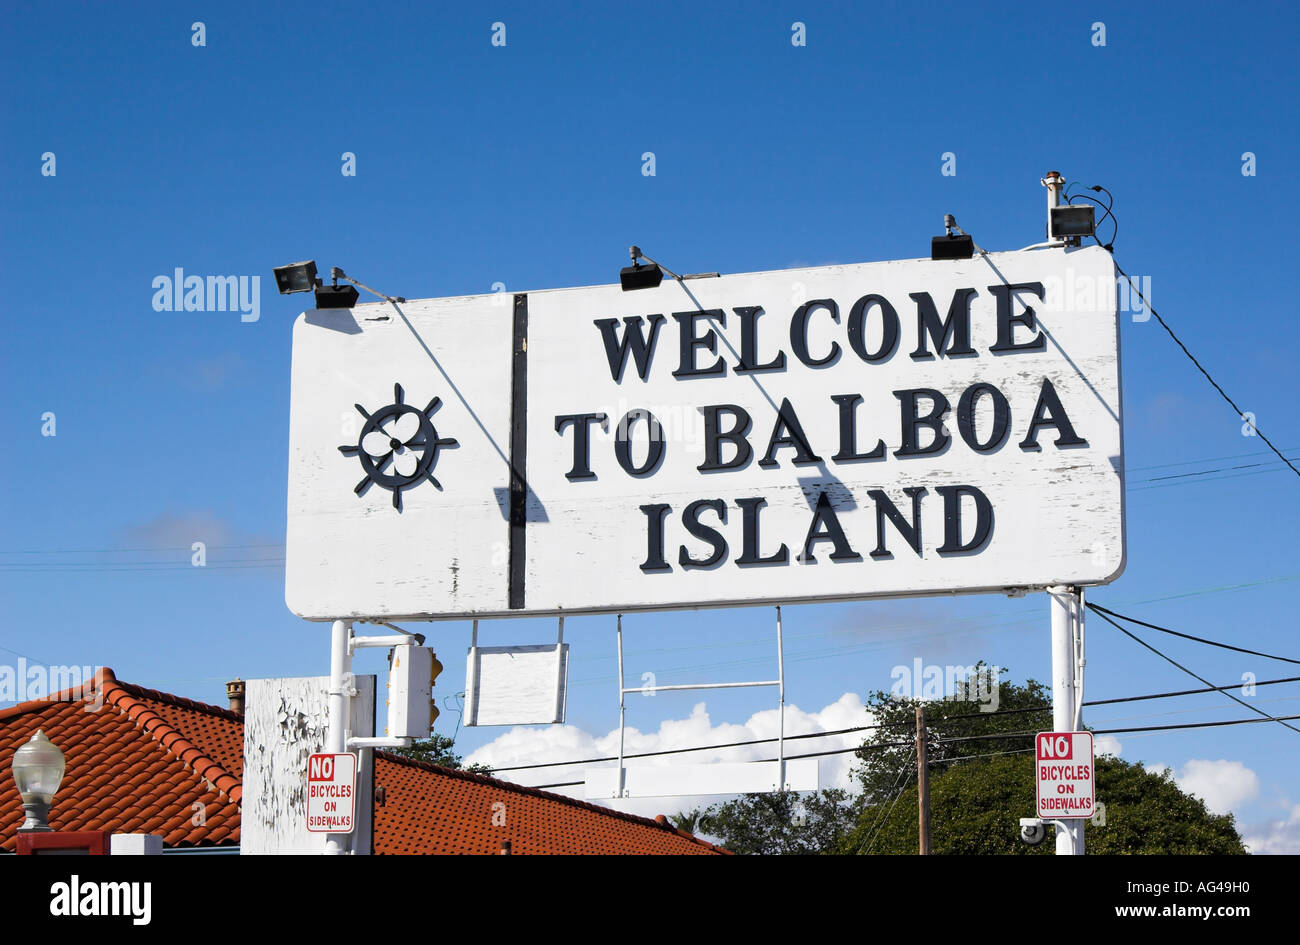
{"points": [[872, 331]]}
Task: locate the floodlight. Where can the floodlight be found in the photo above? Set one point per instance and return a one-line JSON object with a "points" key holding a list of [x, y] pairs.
{"points": [[952, 246], [296, 277], [640, 277], [336, 296], [1072, 220]]}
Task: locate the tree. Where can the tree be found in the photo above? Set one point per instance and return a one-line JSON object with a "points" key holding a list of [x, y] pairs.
{"points": [[438, 750], [783, 822], [976, 806], [888, 754], [687, 820], [979, 789]]}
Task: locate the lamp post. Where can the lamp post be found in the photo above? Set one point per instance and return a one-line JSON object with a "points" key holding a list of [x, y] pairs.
{"points": [[38, 770]]}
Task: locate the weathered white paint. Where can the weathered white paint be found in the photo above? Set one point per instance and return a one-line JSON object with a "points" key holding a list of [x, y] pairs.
{"points": [[1058, 512], [752, 777], [516, 685], [284, 723], [351, 556]]}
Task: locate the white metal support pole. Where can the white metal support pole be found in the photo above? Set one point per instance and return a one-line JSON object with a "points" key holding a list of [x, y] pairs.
{"points": [[780, 673], [336, 735], [1066, 654], [622, 706]]}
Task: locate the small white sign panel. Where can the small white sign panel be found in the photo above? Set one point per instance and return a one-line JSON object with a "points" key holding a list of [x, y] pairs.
{"points": [[845, 432], [516, 685], [1065, 776], [331, 792]]}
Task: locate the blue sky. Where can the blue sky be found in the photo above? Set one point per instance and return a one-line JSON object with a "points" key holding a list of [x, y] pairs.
{"points": [[522, 165]]}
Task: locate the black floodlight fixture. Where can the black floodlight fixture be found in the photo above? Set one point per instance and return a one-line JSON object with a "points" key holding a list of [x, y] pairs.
{"points": [[336, 296], [296, 277], [1072, 221], [637, 276], [301, 277], [953, 245]]}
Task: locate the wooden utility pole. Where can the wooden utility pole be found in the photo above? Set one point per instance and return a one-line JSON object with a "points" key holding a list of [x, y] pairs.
{"points": [[922, 783]]}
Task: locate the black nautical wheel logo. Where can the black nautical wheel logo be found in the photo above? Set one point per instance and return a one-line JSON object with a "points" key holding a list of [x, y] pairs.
{"points": [[398, 446]]}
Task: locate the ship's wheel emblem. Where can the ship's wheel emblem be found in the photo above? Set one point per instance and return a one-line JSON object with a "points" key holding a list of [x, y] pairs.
{"points": [[398, 446]]}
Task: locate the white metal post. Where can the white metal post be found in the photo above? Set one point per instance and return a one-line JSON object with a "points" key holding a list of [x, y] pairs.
{"points": [[336, 735], [622, 706], [1066, 655], [780, 673]]}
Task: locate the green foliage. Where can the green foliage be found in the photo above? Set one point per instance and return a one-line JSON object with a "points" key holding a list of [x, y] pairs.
{"points": [[976, 806], [781, 823], [687, 820], [438, 750], [979, 790], [1019, 709]]}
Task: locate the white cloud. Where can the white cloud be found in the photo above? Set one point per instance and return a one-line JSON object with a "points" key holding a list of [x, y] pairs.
{"points": [[1108, 745], [1223, 785], [1277, 836], [561, 742]]}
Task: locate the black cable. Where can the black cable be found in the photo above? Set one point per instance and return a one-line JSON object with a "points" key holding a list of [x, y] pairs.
{"points": [[1109, 247], [1192, 358], [678, 751], [1169, 659], [1096, 731], [879, 825], [1190, 692], [864, 728], [1187, 636]]}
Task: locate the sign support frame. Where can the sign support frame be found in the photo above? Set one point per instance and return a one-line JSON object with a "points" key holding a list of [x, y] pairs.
{"points": [[779, 683], [1067, 690]]}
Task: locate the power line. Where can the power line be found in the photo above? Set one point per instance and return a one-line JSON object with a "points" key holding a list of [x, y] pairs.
{"points": [[1170, 659], [1207, 459], [965, 738], [866, 728], [903, 769], [1187, 636], [1222, 393]]}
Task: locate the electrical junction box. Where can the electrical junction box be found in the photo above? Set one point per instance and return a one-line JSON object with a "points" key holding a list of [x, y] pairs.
{"points": [[411, 673]]}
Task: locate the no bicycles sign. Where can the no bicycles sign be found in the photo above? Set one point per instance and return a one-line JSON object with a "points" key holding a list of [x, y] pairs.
{"points": [[1063, 770], [331, 793]]}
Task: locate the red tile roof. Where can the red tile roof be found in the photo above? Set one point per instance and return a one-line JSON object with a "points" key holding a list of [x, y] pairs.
{"points": [[130, 766], [151, 762]]}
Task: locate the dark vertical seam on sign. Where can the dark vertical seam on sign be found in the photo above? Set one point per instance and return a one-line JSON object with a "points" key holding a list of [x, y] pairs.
{"points": [[518, 452]]}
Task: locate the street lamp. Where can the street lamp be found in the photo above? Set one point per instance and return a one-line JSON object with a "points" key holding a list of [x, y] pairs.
{"points": [[38, 770]]}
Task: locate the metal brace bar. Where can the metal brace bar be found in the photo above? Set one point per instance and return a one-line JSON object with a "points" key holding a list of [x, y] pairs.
{"points": [[623, 690]]}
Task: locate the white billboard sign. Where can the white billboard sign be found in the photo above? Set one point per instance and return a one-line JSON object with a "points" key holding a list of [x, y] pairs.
{"points": [[837, 433]]}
